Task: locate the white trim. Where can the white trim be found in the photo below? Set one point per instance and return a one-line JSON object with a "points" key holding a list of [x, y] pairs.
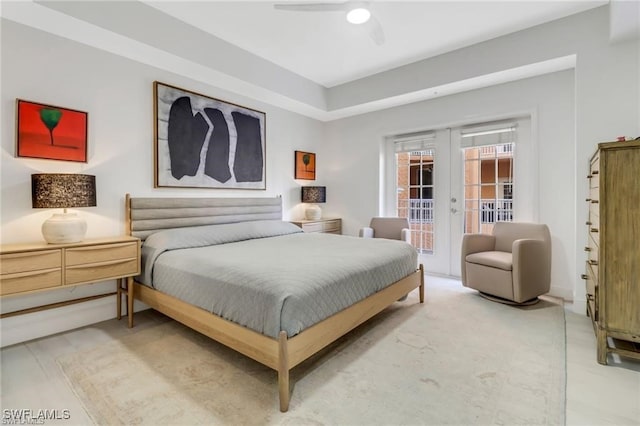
{"points": [[564, 293], [22, 328]]}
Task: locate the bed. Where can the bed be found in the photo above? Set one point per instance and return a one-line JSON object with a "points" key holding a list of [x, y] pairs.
{"points": [[231, 269]]}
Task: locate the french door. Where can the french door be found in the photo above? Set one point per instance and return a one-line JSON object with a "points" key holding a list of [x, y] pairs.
{"points": [[454, 181], [422, 187]]}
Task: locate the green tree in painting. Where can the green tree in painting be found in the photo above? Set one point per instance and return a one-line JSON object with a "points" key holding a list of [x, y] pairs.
{"points": [[306, 159], [50, 118]]}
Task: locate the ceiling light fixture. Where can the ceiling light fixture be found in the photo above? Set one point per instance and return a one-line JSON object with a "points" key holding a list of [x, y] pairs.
{"points": [[358, 16]]}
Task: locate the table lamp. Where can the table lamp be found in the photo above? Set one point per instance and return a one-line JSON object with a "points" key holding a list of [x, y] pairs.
{"points": [[313, 195], [63, 190]]}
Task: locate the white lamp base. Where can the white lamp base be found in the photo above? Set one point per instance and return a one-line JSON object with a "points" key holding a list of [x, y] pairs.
{"points": [[63, 228], [313, 212]]}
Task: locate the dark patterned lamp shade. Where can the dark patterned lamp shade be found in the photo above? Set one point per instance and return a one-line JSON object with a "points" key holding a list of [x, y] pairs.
{"points": [[314, 194], [61, 190]]}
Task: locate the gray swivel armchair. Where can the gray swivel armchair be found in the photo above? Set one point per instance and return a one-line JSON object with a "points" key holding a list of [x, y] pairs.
{"points": [[393, 228], [512, 265]]}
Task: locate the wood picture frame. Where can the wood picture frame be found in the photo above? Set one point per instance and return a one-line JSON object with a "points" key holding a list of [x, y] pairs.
{"points": [[305, 165], [204, 142], [50, 132]]}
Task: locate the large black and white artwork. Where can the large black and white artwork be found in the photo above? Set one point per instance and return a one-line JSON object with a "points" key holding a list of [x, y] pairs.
{"points": [[202, 142]]}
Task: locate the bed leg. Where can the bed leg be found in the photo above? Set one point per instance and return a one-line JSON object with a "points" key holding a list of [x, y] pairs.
{"points": [[130, 301], [421, 283], [283, 371]]}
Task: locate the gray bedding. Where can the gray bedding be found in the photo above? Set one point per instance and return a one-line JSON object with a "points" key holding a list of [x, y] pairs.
{"points": [[268, 275]]}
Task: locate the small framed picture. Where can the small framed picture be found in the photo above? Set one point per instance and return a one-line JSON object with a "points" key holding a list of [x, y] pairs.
{"points": [[305, 165], [50, 132]]}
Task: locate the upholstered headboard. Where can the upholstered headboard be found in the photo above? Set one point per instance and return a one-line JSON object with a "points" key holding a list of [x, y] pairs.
{"points": [[148, 215]]}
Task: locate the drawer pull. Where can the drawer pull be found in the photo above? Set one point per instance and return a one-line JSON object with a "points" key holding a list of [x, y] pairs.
{"points": [[593, 262], [589, 176], [588, 223], [588, 199], [594, 229], [587, 249], [594, 172], [98, 264], [594, 201], [30, 273], [584, 276]]}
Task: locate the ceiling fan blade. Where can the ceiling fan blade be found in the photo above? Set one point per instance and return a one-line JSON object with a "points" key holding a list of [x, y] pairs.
{"points": [[312, 7], [373, 27]]}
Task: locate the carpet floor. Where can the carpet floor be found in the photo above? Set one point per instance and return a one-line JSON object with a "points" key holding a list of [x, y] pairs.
{"points": [[458, 359]]}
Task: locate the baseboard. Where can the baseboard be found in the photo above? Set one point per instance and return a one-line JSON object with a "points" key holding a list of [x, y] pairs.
{"points": [[564, 293], [579, 307], [22, 328]]}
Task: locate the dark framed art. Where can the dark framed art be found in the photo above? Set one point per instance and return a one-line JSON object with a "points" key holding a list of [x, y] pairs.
{"points": [[50, 132], [305, 167], [204, 142]]}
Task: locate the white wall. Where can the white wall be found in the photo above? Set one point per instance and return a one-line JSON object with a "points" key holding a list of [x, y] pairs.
{"points": [[117, 94], [355, 146]]}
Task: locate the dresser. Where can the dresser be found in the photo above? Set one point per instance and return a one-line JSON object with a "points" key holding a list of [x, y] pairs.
{"points": [[37, 267], [613, 249], [326, 225]]}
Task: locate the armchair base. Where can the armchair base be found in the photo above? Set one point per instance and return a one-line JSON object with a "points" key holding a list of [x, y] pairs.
{"points": [[509, 302]]}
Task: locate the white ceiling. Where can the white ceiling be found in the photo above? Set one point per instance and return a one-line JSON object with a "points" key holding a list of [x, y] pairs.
{"points": [[324, 48], [298, 61]]}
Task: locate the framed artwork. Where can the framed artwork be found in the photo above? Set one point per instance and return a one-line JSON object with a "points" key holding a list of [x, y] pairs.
{"points": [[203, 142], [305, 165], [50, 132]]}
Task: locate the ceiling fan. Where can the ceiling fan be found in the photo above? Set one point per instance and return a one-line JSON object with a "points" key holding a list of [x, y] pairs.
{"points": [[357, 13]]}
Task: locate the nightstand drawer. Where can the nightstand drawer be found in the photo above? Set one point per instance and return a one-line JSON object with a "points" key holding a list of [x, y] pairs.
{"points": [[332, 226], [312, 227], [100, 253], [32, 280], [92, 272], [30, 261]]}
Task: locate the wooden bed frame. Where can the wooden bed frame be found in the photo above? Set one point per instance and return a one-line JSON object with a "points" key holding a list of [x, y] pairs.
{"points": [[280, 354]]}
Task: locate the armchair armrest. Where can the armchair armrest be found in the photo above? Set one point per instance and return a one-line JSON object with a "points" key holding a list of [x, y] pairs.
{"points": [[531, 268], [366, 232], [405, 235], [474, 243]]}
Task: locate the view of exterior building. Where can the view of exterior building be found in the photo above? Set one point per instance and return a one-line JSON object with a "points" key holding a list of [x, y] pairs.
{"points": [[415, 195], [488, 187], [488, 190]]}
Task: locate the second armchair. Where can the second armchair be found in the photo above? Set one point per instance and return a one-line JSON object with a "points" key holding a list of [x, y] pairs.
{"points": [[393, 228]]}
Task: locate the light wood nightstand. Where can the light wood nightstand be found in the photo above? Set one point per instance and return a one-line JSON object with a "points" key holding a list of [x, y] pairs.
{"points": [[325, 225], [30, 268]]}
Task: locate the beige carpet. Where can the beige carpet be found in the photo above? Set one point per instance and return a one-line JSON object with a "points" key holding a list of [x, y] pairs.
{"points": [[457, 359]]}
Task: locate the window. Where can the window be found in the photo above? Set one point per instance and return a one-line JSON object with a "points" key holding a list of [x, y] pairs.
{"points": [[488, 176], [415, 162]]}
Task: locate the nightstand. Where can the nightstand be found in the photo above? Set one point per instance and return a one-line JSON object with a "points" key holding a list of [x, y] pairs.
{"points": [[325, 225], [30, 268]]}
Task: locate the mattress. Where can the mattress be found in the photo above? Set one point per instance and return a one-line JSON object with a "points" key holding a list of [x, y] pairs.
{"points": [[268, 275]]}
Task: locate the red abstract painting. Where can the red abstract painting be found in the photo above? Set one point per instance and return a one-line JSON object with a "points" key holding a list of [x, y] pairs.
{"points": [[51, 132]]}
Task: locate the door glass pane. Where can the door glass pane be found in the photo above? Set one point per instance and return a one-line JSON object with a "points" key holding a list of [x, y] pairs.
{"points": [[415, 185], [488, 187]]}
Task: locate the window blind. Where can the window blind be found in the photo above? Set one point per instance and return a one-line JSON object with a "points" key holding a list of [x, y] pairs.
{"points": [[414, 142], [495, 133]]}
